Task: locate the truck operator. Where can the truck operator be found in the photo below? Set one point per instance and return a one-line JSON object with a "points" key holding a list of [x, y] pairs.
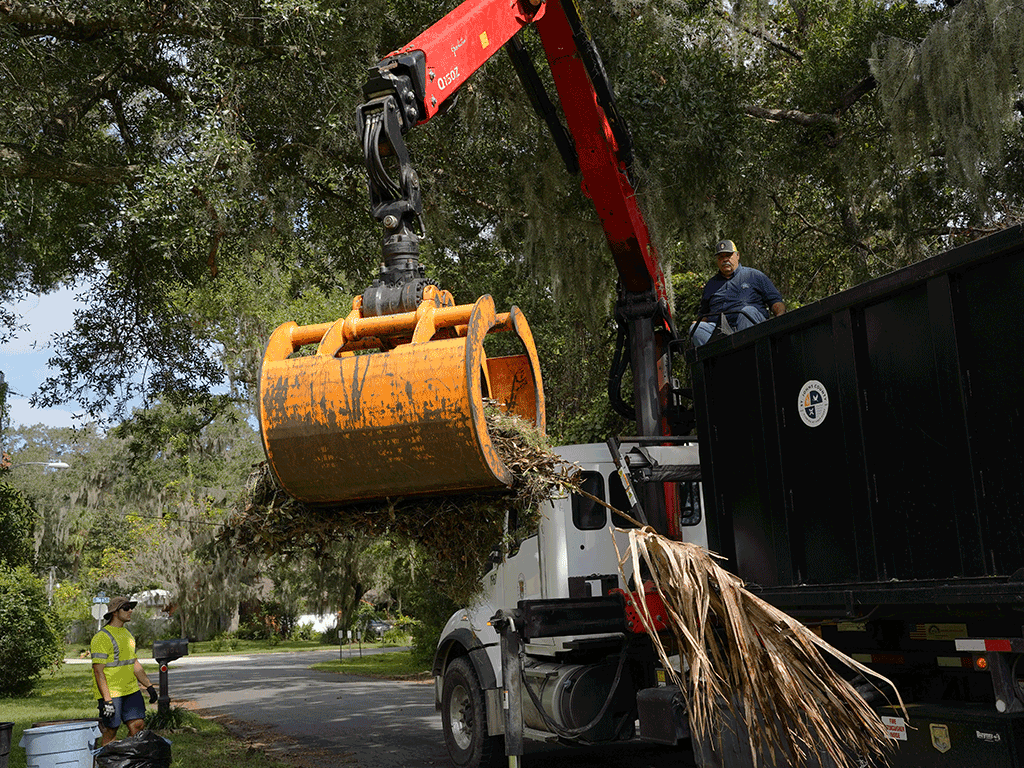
{"points": [[743, 294]]}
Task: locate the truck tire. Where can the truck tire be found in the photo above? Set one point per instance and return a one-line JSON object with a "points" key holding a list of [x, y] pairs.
{"points": [[464, 718]]}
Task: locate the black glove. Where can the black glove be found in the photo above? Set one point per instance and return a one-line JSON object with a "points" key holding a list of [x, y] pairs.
{"points": [[152, 694], [107, 711]]}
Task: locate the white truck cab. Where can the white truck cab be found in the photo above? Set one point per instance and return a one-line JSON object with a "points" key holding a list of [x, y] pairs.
{"points": [[580, 663]]}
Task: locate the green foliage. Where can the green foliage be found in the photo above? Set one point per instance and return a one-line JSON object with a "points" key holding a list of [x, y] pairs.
{"points": [[688, 288], [432, 609], [953, 87], [173, 189], [224, 641], [71, 604], [329, 577], [30, 641], [268, 620], [75, 506], [198, 176], [16, 526], [399, 630], [174, 720], [147, 626], [5, 316], [133, 513], [365, 614], [331, 636]]}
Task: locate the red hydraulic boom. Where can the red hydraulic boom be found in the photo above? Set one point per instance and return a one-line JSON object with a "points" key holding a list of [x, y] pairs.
{"points": [[419, 81]]}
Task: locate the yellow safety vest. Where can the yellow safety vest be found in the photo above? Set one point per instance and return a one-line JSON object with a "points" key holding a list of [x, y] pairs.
{"points": [[114, 649]]}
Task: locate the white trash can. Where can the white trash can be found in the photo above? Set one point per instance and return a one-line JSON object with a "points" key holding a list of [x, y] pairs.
{"points": [[60, 745]]}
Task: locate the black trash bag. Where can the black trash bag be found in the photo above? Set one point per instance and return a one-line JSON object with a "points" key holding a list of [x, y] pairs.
{"points": [[143, 750]]}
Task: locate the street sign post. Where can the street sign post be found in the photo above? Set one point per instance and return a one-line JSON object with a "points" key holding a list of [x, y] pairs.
{"points": [[99, 608]]}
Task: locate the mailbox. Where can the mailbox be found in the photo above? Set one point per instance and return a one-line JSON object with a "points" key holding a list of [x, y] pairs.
{"points": [[165, 651]]}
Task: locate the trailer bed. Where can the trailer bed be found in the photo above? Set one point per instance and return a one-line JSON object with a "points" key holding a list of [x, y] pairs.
{"points": [[866, 450]]}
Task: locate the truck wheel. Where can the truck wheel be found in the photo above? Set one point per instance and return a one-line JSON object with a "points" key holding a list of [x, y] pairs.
{"points": [[464, 718]]}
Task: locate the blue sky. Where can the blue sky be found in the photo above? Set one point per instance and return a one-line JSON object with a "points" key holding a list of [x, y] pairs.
{"points": [[24, 360]]}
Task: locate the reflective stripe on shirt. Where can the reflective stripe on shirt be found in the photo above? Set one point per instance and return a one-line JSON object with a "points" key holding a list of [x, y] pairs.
{"points": [[117, 652]]}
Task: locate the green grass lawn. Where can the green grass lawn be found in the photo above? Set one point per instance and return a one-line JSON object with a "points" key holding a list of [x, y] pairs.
{"points": [[213, 647], [68, 695], [232, 646], [395, 666]]}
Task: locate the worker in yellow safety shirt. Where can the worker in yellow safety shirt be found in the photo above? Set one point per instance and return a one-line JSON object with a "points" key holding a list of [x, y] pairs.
{"points": [[117, 674]]}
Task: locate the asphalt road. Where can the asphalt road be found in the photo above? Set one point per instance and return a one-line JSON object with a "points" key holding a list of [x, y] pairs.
{"points": [[327, 720]]}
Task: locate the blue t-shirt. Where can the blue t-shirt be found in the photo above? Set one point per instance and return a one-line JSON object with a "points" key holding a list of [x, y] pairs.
{"points": [[747, 287]]}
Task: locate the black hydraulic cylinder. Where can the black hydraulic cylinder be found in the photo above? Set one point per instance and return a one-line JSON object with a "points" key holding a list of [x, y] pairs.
{"points": [[512, 689]]}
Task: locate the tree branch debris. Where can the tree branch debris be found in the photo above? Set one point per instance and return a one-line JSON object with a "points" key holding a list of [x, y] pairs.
{"points": [[459, 532]]}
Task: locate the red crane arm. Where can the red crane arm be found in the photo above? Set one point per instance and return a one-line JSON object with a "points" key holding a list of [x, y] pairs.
{"points": [[605, 174], [414, 84], [448, 53], [457, 45]]}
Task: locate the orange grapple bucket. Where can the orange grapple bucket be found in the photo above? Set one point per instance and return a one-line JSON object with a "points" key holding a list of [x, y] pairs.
{"points": [[345, 424]]}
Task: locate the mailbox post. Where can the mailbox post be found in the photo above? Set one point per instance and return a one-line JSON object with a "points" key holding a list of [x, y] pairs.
{"points": [[166, 651]]}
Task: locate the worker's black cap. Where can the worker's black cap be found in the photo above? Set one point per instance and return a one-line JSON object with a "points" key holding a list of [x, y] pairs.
{"points": [[725, 246]]}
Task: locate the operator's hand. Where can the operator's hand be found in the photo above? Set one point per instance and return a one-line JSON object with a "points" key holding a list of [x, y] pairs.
{"points": [[107, 711], [152, 694]]}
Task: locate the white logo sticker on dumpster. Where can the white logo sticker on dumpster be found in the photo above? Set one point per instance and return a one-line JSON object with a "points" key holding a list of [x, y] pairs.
{"points": [[813, 403], [896, 727]]}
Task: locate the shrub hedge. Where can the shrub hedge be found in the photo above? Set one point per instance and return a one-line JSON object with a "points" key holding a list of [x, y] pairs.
{"points": [[30, 639]]}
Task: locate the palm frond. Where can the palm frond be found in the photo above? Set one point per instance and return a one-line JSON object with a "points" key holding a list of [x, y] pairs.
{"points": [[743, 657]]}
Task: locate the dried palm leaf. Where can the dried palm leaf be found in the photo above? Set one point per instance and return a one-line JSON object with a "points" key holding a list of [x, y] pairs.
{"points": [[744, 656]]}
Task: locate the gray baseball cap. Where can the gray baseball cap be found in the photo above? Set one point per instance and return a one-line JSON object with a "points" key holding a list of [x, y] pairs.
{"points": [[725, 246]]}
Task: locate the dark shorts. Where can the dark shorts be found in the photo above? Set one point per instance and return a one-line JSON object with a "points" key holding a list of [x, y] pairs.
{"points": [[126, 708]]}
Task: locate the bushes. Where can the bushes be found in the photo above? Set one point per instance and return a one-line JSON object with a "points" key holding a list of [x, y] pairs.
{"points": [[400, 631], [267, 621], [224, 640], [330, 636], [70, 607], [147, 627], [30, 641], [305, 632], [432, 608]]}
